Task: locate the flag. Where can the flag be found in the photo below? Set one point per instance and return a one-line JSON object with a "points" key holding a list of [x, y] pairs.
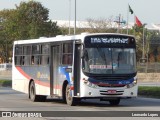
{"points": [[130, 9], [138, 22]]}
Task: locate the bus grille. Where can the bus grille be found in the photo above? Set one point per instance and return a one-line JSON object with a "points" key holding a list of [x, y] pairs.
{"points": [[113, 77], [111, 85], [106, 92]]}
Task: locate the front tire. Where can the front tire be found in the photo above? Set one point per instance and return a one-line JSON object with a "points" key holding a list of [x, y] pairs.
{"points": [[32, 94], [69, 99]]}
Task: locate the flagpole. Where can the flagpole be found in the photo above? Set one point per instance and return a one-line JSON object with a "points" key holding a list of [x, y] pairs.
{"points": [[134, 25], [143, 43], [143, 54], [131, 11]]}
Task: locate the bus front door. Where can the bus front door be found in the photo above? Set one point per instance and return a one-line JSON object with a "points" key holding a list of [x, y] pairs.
{"points": [[54, 84], [76, 73]]}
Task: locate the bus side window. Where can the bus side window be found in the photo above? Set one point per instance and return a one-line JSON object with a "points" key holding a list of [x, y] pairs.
{"points": [[22, 60], [36, 60], [36, 54], [45, 59], [32, 60], [45, 54], [67, 59], [27, 60], [18, 55], [18, 60], [67, 54]]}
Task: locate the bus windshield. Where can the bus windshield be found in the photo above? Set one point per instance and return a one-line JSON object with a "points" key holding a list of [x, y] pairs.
{"points": [[109, 60]]}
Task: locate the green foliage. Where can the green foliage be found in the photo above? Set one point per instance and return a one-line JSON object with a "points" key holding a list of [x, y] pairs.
{"points": [[138, 32], [5, 83], [28, 21], [32, 21], [149, 91]]}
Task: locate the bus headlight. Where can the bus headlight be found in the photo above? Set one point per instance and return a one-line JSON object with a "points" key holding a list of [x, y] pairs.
{"points": [[132, 84], [89, 84]]}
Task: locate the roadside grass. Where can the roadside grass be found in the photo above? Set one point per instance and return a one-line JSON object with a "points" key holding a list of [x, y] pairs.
{"points": [[5, 83], [148, 91]]}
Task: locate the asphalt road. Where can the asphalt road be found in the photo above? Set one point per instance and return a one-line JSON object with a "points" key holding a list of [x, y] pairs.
{"points": [[11, 100]]}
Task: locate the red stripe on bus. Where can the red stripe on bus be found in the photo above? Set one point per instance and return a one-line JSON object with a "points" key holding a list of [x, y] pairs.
{"points": [[23, 73], [29, 78], [37, 81], [42, 83]]}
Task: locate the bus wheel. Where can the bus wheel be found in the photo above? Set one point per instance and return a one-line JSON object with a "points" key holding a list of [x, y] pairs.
{"points": [[115, 102], [69, 99], [32, 92]]}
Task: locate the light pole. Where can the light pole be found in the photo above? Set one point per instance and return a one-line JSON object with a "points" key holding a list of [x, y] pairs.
{"points": [[69, 17], [75, 20]]}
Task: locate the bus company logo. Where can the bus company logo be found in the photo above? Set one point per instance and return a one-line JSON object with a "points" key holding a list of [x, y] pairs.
{"points": [[38, 74], [42, 75], [6, 114]]}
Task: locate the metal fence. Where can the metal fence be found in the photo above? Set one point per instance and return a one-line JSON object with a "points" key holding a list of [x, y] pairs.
{"points": [[6, 75], [149, 72]]}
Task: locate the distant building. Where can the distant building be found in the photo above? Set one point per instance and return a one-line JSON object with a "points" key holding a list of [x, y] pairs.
{"points": [[85, 24], [65, 23], [156, 26]]}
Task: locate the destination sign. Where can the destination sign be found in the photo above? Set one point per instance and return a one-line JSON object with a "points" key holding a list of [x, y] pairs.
{"points": [[109, 40], [115, 41]]}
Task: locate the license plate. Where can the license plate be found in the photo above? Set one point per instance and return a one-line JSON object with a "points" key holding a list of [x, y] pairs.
{"points": [[112, 91]]}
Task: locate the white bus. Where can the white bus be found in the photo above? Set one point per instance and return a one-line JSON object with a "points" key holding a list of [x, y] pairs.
{"points": [[87, 66]]}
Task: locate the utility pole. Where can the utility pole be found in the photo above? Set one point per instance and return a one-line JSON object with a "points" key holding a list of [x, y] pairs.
{"points": [[69, 17], [119, 21], [75, 19]]}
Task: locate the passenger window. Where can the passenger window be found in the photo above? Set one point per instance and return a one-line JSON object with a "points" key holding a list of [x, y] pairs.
{"points": [[67, 54]]}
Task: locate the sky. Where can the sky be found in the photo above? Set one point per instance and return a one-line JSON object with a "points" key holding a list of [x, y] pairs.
{"points": [[147, 11]]}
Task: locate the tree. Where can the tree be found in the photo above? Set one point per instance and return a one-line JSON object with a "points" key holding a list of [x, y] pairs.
{"points": [[154, 48], [28, 21], [6, 35], [33, 22], [138, 32]]}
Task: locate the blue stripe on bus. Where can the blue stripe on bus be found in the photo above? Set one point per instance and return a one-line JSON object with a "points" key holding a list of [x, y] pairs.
{"points": [[63, 71], [120, 82]]}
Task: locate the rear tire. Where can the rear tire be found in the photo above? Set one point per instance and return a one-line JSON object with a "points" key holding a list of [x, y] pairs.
{"points": [[114, 102], [69, 99], [32, 93], [64, 93]]}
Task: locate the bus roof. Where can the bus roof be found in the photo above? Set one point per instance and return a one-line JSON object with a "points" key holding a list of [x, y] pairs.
{"points": [[63, 38]]}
